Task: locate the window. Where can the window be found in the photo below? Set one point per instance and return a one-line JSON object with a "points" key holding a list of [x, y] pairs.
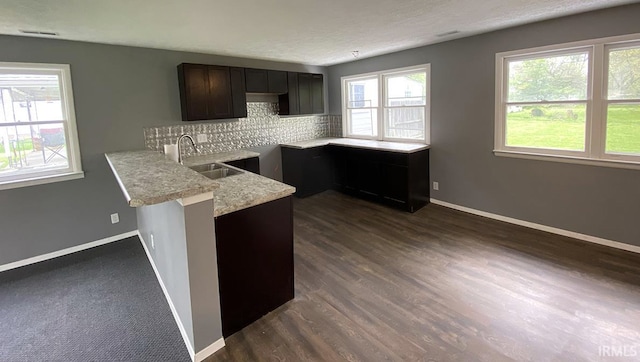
{"points": [[578, 102], [390, 105], [38, 137]]}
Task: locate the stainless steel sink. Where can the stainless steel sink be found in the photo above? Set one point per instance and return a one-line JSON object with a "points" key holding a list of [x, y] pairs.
{"points": [[215, 170]]}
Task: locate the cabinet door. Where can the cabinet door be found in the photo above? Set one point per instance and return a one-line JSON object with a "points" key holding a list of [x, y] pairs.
{"points": [[317, 94], [277, 81], [293, 161], [194, 91], [248, 164], [253, 165], [317, 171], [419, 186], [237, 163], [219, 103], [255, 262], [338, 167], [238, 92], [256, 80], [368, 177], [290, 102], [395, 184], [304, 93], [352, 170]]}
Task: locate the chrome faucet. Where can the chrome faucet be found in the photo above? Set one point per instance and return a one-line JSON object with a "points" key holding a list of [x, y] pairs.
{"points": [[180, 147]]}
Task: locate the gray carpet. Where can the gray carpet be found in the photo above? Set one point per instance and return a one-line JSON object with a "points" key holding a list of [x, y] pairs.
{"points": [[101, 304]]}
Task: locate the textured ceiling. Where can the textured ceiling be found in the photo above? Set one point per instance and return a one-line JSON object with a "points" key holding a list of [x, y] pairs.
{"points": [[314, 32]]}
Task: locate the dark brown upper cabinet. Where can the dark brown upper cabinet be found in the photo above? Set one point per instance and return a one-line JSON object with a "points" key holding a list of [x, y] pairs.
{"points": [[238, 92], [304, 92], [305, 96], [266, 81], [290, 102], [211, 92], [317, 96]]}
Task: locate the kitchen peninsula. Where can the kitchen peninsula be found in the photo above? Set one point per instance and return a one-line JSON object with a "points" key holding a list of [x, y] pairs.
{"points": [[222, 249]]}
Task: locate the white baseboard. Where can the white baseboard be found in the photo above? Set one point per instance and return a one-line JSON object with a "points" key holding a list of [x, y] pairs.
{"points": [[183, 331], [208, 351], [553, 230], [71, 250]]}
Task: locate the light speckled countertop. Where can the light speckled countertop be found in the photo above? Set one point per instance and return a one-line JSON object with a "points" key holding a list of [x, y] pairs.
{"points": [[359, 143], [239, 192], [148, 177]]}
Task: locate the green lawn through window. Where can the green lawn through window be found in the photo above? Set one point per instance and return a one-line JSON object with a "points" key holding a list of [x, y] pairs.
{"points": [[563, 127]]}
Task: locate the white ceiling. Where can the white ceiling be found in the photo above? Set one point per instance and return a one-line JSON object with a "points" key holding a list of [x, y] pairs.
{"points": [[314, 32]]}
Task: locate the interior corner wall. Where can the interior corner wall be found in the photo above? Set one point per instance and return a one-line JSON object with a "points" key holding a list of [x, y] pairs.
{"points": [[597, 201], [163, 231], [118, 90]]}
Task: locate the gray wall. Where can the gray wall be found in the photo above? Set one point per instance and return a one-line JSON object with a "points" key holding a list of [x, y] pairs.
{"points": [[117, 91], [598, 201], [166, 222], [186, 259]]}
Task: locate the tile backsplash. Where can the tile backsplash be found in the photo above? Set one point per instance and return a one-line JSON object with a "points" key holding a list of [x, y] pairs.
{"points": [[263, 126]]}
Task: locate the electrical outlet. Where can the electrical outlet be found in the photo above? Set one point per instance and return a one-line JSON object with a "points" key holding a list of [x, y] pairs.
{"points": [[115, 218], [153, 244], [202, 138], [436, 185]]}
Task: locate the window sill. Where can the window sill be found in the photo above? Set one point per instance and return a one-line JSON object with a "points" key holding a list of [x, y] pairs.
{"points": [[41, 180], [569, 159]]}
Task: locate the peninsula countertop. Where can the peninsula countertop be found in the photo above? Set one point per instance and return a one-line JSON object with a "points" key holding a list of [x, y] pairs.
{"points": [[148, 177], [360, 143]]}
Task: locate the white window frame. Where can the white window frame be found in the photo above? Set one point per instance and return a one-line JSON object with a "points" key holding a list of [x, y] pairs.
{"points": [[596, 104], [74, 170], [382, 104]]}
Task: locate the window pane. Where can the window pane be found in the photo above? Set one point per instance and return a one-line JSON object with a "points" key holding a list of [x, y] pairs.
{"points": [[554, 78], [363, 122], [558, 126], [405, 122], [406, 90], [624, 74], [27, 149], [362, 93], [30, 97], [623, 129]]}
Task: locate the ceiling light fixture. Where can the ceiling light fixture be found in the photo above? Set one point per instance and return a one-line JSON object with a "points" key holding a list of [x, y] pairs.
{"points": [[37, 32], [447, 33]]}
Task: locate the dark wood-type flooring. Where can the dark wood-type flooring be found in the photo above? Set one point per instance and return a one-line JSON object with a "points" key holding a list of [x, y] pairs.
{"points": [[376, 284]]}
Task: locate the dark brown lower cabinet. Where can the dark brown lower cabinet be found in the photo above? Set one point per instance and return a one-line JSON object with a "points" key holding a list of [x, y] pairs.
{"points": [[309, 170], [396, 179], [255, 262], [251, 164]]}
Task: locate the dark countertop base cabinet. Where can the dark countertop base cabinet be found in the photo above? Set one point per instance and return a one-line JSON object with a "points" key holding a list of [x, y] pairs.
{"points": [[255, 263], [400, 180], [251, 164], [309, 170]]}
